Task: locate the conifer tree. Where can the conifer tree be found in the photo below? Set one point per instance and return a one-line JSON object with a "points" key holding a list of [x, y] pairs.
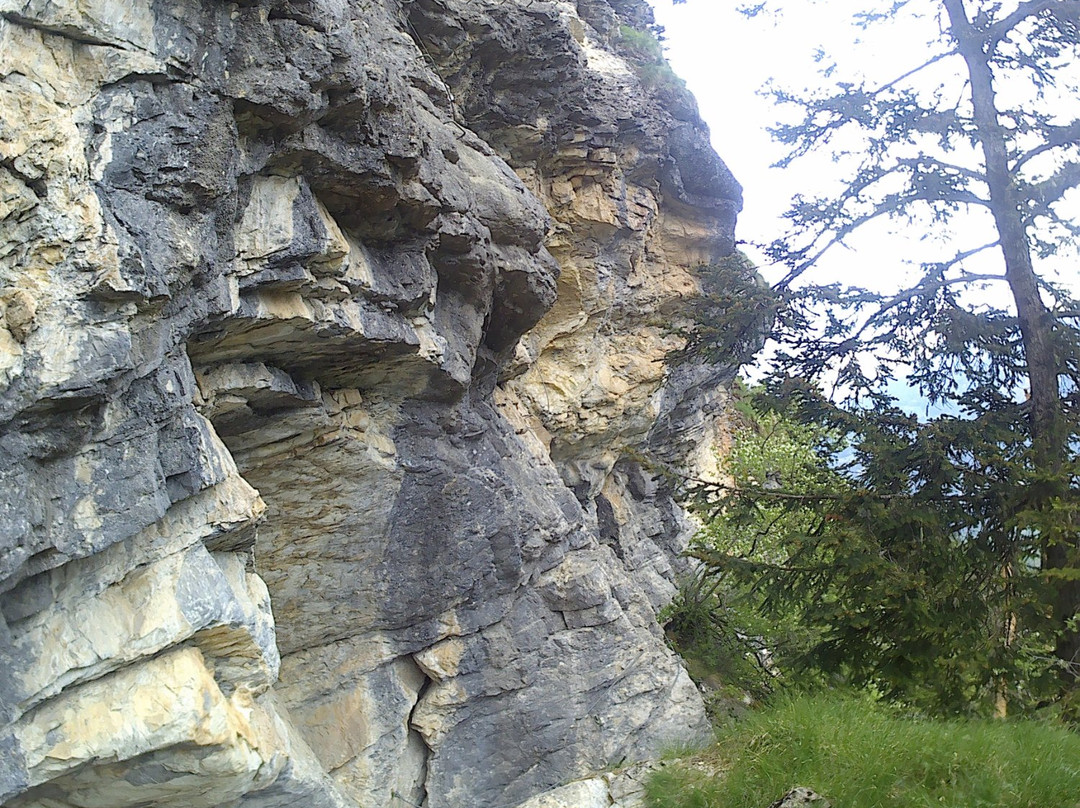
{"points": [[963, 526]]}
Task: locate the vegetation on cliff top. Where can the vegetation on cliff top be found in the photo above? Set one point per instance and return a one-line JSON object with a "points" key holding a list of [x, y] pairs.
{"points": [[646, 54]]}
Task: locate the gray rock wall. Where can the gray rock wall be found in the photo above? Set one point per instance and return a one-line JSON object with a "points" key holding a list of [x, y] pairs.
{"points": [[329, 331]]}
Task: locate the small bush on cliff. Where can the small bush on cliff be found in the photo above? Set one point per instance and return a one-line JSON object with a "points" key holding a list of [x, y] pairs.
{"points": [[860, 754], [646, 55], [713, 632], [640, 46]]}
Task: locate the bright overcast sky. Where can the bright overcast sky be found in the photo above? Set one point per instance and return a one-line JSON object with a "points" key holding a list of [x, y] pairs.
{"points": [[725, 59]]}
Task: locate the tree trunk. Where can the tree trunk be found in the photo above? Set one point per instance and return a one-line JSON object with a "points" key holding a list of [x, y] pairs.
{"points": [[1001, 698], [1048, 434]]}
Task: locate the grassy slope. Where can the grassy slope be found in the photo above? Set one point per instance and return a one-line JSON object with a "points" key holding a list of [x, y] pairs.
{"points": [[860, 755]]}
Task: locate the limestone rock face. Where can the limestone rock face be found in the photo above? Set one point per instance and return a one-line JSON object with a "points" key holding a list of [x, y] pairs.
{"points": [[329, 333], [624, 788]]}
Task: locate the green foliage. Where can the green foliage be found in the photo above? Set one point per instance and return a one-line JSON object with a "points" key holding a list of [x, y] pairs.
{"points": [[933, 560], [859, 754], [730, 319], [640, 46], [882, 551], [646, 53], [771, 455], [659, 76], [726, 623], [716, 639], [947, 570]]}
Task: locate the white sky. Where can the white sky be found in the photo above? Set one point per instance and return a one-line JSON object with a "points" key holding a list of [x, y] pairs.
{"points": [[725, 59]]}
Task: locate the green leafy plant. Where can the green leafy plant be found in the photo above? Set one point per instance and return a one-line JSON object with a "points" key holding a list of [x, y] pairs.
{"points": [[724, 623], [716, 640]]}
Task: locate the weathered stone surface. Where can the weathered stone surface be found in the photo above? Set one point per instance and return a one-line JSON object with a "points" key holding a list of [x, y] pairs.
{"points": [[79, 636], [621, 788], [162, 732], [800, 795], [591, 793], [330, 331]]}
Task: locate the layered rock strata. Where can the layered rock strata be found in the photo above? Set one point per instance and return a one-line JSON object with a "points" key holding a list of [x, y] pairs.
{"points": [[331, 330]]}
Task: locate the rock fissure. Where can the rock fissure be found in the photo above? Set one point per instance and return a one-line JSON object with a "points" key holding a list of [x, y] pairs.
{"points": [[418, 795]]}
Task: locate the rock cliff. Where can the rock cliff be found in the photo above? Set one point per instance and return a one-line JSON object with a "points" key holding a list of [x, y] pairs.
{"points": [[330, 332]]}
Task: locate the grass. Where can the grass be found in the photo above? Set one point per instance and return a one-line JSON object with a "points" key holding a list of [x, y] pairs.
{"points": [[859, 754], [642, 46], [646, 53]]}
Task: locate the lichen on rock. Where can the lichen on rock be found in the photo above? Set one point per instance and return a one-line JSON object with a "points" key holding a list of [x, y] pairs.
{"points": [[331, 330]]}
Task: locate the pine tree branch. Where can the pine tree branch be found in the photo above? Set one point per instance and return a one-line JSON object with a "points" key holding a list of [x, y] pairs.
{"points": [[933, 60], [915, 163], [1001, 29], [891, 205], [1045, 193], [928, 286], [759, 493], [1056, 137], [1067, 11]]}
